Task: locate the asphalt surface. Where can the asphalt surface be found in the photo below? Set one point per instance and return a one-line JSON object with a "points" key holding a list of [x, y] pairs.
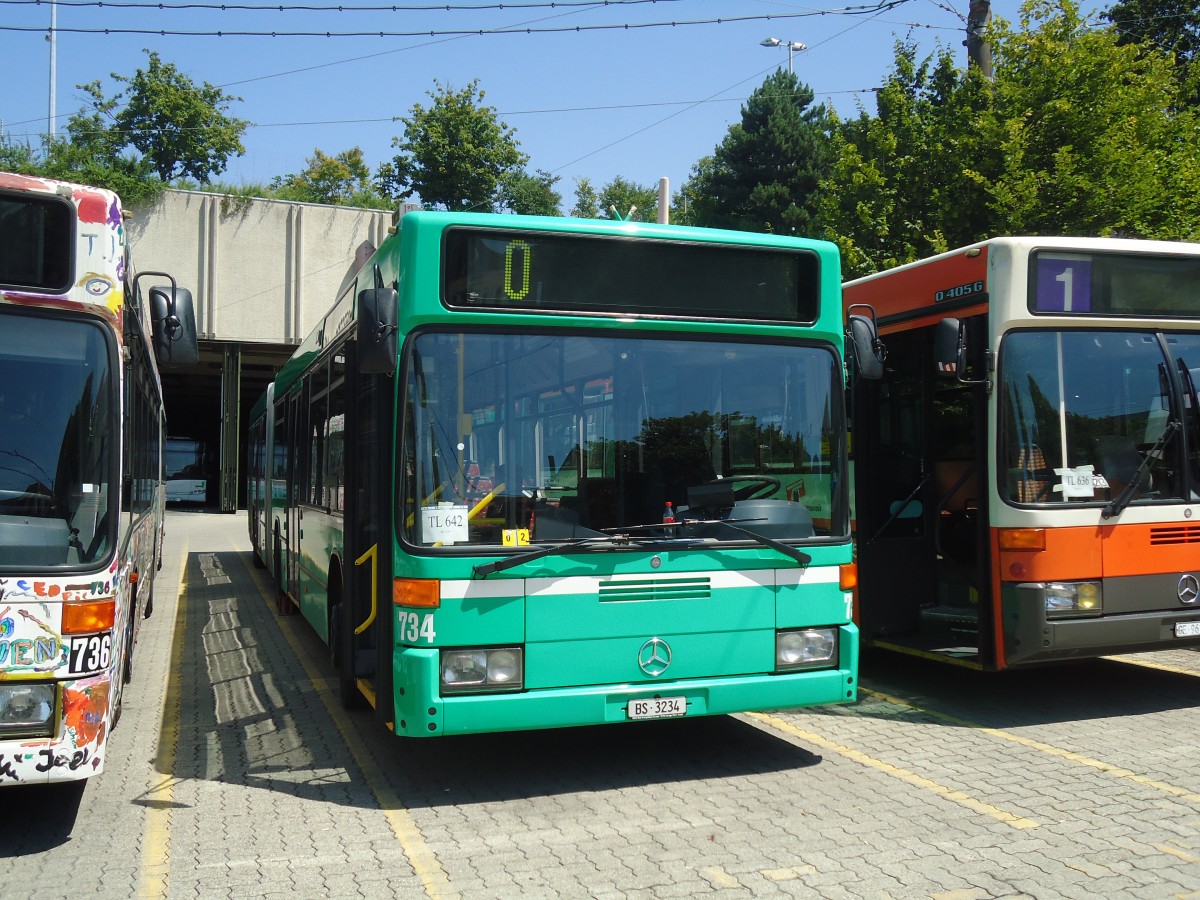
{"points": [[235, 773]]}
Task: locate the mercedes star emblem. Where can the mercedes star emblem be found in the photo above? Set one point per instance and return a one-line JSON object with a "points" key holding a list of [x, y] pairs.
{"points": [[1189, 588], [654, 657]]}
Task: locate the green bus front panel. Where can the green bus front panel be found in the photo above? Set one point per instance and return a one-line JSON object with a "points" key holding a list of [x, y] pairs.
{"points": [[582, 636], [421, 712]]}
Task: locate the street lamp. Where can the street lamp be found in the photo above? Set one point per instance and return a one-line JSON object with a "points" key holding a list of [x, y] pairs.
{"points": [[793, 47]]}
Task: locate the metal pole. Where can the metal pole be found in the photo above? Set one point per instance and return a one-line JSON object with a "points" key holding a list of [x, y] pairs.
{"points": [[52, 37], [979, 51]]}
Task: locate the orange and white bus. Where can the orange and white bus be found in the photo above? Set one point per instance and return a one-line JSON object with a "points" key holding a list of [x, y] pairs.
{"points": [[81, 479], [1028, 469]]}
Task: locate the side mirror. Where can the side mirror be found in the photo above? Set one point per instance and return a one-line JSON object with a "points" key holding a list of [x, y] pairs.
{"points": [[957, 357], [377, 331], [172, 323], [863, 336], [949, 347]]}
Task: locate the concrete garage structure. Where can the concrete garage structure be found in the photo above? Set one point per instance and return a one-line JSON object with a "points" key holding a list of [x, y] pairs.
{"points": [[262, 273]]}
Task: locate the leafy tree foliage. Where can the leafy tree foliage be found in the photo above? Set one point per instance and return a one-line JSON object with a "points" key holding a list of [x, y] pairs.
{"points": [[1091, 135], [531, 195], [181, 128], [587, 201], [1169, 25], [1076, 134], [454, 154], [624, 196], [902, 184], [173, 128], [766, 173], [344, 179], [621, 195]]}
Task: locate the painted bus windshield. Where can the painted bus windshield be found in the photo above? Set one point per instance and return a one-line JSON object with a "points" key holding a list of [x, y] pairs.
{"points": [[536, 271], [1110, 284], [36, 237], [1085, 413], [513, 438], [56, 441]]}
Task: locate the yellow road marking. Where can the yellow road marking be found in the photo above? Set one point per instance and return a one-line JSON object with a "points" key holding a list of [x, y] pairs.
{"points": [[424, 862], [1172, 851], [904, 775], [1050, 749], [156, 844], [1163, 667]]}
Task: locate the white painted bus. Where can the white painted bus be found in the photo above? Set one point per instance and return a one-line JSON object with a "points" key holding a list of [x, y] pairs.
{"points": [[81, 485]]}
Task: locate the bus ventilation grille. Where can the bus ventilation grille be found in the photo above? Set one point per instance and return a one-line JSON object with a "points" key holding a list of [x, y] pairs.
{"points": [[652, 589], [1175, 534]]}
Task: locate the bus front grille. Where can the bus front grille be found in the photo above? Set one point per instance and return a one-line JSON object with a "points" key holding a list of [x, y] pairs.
{"points": [[655, 589], [1175, 534]]}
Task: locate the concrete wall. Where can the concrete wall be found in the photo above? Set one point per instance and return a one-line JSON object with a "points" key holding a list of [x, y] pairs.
{"points": [[261, 271]]}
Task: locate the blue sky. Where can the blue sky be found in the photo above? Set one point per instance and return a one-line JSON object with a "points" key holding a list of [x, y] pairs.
{"points": [[597, 102]]}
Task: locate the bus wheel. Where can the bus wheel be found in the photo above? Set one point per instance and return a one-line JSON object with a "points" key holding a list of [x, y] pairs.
{"points": [[341, 655], [149, 600], [127, 666]]}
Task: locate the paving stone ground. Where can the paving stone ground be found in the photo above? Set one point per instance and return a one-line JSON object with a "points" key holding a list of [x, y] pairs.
{"points": [[233, 773]]}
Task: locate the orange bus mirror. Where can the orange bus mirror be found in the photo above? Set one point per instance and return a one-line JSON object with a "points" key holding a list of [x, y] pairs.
{"points": [[949, 347]]}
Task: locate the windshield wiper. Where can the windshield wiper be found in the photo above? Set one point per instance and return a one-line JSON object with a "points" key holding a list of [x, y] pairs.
{"points": [[621, 537], [1122, 499], [500, 565], [786, 549]]}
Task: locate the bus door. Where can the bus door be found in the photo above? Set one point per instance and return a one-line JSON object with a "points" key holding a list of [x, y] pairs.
{"points": [[959, 622], [363, 632], [892, 493], [921, 453]]}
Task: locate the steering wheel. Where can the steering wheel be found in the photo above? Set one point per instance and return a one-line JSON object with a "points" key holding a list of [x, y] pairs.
{"points": [[760, 486]]}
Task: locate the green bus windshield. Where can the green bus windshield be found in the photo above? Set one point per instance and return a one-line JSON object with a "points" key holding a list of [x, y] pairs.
{"points": [[510, 438]]}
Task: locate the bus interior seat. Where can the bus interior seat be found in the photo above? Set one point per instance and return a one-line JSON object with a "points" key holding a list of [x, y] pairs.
{"points": [[598, 502], [1119, 460]]}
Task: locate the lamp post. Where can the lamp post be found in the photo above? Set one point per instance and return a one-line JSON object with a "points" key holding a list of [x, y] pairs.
{"points": [[793, 47]]}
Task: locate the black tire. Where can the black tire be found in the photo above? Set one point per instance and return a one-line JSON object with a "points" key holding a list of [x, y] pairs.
{"points": [[341, 653]]}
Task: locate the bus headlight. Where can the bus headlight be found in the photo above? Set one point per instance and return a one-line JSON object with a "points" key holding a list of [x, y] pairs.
{"points": [[27, 710], [806, 648], [482, 669], [1074, 598]]}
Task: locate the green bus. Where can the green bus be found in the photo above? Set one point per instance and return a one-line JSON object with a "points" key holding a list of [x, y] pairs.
{"points": [[536, 472]]}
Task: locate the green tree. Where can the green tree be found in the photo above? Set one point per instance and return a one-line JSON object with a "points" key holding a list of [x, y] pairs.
{"points": [[1075, 134], [1093, 136], [454, 154], [181, 128], [92, 151], [765, 175], [587, 201], [1169, 25], [900, 185], [623, 195], [344, 179], [531, 195]]}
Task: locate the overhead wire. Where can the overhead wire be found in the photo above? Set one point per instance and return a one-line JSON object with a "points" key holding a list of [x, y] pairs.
{"points": [[883, 5]]}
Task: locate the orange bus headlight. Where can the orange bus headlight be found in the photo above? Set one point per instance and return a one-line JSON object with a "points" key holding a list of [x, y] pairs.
{"points": [[26, 710], [1073, 599]]}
